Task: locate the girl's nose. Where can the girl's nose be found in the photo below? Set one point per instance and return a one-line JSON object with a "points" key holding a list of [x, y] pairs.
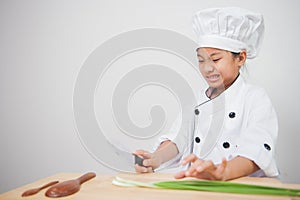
{"points": [[208, 67]]}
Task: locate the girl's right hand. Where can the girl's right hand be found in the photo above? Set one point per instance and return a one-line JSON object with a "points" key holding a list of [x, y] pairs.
{"points": [[151, 161]]}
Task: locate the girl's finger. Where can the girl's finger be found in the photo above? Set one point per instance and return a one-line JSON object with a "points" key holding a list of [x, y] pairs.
{"points": [[143, 153], [222, 166], [141, 169], [193, 168], [138, 168], [189, 158], [147, 155], [139, 152], [206, 165], [180, 175], [150, 162], [150, 170]]}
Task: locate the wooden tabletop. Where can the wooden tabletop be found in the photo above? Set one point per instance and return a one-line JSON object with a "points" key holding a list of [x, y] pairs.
{"points": [[101, 188]]}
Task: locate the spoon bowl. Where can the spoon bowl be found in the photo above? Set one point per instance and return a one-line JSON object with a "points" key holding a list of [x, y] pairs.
{"points": [[68, 187]]}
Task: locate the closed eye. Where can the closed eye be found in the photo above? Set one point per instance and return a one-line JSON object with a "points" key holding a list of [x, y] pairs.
{"points": [[216, 60]]}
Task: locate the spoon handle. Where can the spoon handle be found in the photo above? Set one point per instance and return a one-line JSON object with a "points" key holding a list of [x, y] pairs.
{"points": [[36, 190], [86, 177]]}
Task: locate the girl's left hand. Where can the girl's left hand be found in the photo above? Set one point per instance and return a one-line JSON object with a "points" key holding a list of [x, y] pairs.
{"points": [[203, 169]]}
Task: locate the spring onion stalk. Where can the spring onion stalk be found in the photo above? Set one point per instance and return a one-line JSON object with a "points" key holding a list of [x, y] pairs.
{"points": [[212, 186]]}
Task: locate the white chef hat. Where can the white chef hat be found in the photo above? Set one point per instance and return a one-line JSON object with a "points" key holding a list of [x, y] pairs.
{"points": [[233, 29]]}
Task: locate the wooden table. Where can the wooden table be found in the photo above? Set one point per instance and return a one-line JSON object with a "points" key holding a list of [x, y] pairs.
{"points": [[102, 188]]}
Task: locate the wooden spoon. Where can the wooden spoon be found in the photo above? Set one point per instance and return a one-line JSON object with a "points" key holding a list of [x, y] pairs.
{"points": [[68, 187], [36, 190]]}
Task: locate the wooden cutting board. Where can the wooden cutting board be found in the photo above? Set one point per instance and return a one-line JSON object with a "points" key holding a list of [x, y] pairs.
{"points": [[100, 187]]}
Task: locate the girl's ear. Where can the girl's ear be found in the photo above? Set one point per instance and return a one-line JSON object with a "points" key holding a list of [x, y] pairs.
{"points": [[242, 58]]}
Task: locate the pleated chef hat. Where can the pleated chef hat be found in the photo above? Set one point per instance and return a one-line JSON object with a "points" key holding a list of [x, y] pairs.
{"points": [[231, 28]]}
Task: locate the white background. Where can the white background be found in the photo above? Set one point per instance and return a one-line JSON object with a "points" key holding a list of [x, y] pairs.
{"points": [[43, 45]]}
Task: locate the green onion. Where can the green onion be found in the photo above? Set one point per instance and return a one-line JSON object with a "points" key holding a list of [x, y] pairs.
{"points": [[212, 186]]}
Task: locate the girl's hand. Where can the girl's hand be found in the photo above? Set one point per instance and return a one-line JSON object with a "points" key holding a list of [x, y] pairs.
{"points": [[151, 161], [203, 169]]}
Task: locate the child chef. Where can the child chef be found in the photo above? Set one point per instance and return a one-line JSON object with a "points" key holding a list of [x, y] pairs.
{"points": [[233, 130]]}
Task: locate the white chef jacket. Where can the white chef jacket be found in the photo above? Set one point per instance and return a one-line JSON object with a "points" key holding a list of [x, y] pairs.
{"points": [[243, 122]]}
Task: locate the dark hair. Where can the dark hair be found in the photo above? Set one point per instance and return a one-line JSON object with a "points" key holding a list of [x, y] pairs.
{"points": [[235, 55]]}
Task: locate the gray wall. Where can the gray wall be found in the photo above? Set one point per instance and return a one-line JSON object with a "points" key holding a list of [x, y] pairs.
{"points": [[43, 45]]}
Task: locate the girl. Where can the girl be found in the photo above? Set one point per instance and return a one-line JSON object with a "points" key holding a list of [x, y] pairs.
{"points": [[237, 138]]}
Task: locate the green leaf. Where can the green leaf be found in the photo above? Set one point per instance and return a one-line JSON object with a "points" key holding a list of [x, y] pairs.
{"points": [[211, 186], [228, 187]]}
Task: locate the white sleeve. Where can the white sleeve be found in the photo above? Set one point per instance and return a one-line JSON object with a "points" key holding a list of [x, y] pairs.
{"points": [[258, 139], [179, 134], [170, 135], [172, 132]]}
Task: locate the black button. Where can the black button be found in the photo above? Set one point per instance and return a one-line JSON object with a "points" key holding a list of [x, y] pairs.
{"points": [[197, 112], [267, 147], [226, 145], [232, 114], [197, 139]]}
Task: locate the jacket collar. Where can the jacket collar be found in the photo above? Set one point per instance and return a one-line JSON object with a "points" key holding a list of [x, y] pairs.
{"points": [[231, 91]]}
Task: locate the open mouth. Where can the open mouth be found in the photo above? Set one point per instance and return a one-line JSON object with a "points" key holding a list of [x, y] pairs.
{"points": [[213, 78]]}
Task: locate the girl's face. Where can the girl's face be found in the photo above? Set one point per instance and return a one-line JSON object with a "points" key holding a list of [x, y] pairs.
{"points": [[219, 67]]}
